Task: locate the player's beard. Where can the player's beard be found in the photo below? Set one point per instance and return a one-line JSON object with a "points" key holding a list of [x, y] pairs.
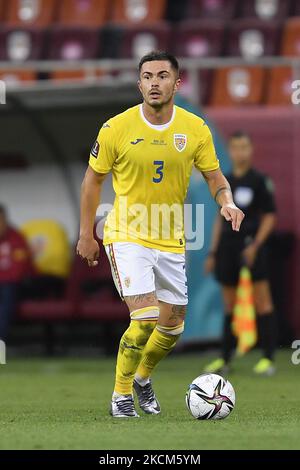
{"points": [[160, 105]]}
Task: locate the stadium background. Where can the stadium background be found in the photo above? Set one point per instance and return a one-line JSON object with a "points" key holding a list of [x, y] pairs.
{"points": [[70, 65]]}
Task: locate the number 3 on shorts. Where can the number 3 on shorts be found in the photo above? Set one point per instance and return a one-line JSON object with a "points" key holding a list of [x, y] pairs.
{"points": [[159, 171]]}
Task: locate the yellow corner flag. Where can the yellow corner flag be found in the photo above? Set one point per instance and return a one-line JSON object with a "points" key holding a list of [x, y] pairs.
{"points": [[244, 324]]}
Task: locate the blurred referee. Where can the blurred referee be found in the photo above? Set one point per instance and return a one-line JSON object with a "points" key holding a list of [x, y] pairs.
{"points": [[253, 193]]}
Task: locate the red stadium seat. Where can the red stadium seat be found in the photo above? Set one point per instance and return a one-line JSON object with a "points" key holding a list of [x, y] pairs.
{"points": [[253, 38], [105, 307], [81, 286], [17, 75], [88, 13], [74, 43], [238, 86], [280, 90], [3, 5], [75, 75], [82, 274], [196, 38], [22, 44], [265, 10], [138, 40], [46, 310], [291, 38], [69, 75], [216, 9], [26, 13], [138, 11], [97, 298]]}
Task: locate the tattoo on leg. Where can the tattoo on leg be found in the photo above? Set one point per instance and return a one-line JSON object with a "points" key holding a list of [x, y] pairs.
{"points": [[141, 298], [178, 312]]}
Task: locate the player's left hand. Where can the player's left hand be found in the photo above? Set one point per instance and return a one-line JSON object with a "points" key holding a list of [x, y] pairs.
{"points": [[249, 254], [233, 214]]}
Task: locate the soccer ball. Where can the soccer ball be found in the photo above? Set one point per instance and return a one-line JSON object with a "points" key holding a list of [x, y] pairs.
{"points": [[210, 397]]}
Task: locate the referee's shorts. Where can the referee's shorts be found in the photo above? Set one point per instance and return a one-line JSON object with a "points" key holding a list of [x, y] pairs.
{"points": [[229, 261]]}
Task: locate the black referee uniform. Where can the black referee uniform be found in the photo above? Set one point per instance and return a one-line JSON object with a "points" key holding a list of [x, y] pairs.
{"points": [[253, 193]]}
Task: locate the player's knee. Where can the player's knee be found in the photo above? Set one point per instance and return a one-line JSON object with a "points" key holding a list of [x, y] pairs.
{"points": [[146, 313], [229, 307], [262, 303], [229, 298], [137, 334], [171, 330], [175, 316], [264, 308]]}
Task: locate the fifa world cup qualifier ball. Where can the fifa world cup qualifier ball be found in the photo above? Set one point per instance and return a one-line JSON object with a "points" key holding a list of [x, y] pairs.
{"points": [[210, 397]]}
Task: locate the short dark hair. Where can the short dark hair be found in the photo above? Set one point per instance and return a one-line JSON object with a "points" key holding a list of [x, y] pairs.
{"points": [[240, 134], [160, 55]]}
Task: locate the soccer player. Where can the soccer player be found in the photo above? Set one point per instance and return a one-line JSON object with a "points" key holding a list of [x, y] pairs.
{"points": [[253, 192], [150, 150]]}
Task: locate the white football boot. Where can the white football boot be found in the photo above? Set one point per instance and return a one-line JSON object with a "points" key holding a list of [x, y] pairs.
{"points": [[123, 407]]}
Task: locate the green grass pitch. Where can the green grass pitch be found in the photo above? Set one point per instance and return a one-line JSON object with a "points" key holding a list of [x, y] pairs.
{"points": [[63, 404]]}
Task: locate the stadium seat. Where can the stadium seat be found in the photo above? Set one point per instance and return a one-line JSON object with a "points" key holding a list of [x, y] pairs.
{"points": [[264, 9], [217, 9], [46, 310], [280, 90], [88, 13], [13, 77], [82, 284], [238, 86], [3, 5], [74, 43], [137, 40], [138, 11], [70, 75], [23, 13], [85, 279], [75, 75], [253, 38], [103, 308], [97, 298], [196, 38], [21, 44], [291, 38]]}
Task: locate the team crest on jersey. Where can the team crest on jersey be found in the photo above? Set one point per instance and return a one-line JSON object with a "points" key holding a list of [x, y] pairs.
{"points": [[180, 141], [127, 282]]}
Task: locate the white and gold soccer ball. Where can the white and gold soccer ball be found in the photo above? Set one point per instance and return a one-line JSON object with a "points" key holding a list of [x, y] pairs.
{"points": [[210, 396]]}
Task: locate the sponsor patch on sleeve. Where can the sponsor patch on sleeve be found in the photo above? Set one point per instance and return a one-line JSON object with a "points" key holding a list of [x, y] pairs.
{"points": [[95, 149]]}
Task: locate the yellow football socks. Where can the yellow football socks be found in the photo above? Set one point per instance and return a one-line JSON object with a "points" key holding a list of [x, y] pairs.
{"points": [[130, 352], [160, 343]]}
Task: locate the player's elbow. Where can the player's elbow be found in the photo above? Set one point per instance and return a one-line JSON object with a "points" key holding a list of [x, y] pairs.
{"points": [[92, 178]]}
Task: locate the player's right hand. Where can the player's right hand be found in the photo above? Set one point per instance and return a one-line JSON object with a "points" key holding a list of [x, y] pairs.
{"points": [[88, 248]]}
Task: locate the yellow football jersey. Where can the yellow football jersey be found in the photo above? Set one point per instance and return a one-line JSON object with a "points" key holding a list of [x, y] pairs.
{"points": [[151, 167]]}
